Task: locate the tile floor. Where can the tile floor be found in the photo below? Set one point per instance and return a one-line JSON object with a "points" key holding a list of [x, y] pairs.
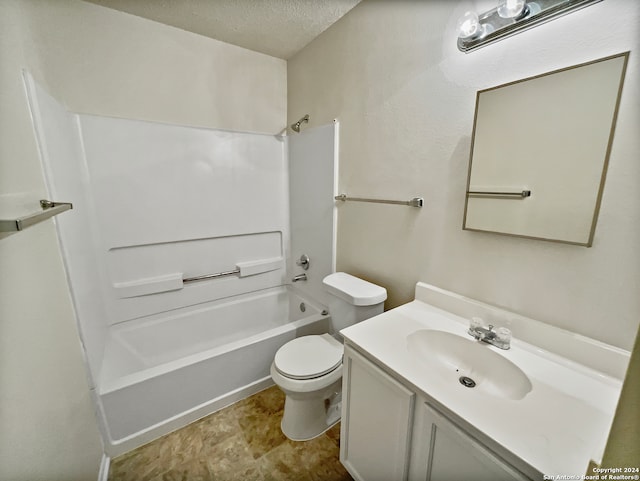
{"points": [[240, 442]]}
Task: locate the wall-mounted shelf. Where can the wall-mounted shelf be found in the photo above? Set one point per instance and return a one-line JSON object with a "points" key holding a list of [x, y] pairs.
{"points": [[48, 209]]}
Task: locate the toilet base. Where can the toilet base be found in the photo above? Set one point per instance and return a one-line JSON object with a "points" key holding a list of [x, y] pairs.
{"points": [[308, 415]]}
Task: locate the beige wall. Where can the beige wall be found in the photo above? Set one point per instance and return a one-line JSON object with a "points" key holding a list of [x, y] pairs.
{"points": [[405, 97], [390, 72], [98, 61]]}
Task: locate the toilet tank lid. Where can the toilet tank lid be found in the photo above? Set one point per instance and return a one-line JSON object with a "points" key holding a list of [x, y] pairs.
{"points": [[354, 290]]}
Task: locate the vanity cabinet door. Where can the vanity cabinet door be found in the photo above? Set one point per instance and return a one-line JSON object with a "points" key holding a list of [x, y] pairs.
{"points": [[453, 455], [377, 415]]}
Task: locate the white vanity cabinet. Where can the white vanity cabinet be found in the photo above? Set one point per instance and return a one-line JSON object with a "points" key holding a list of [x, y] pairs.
{"points": [[377, 417], [444, 452], [390, 433], [531, 413]]}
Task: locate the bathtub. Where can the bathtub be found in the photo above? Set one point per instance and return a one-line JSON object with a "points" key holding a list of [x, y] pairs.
{"points": [[164, 371]]}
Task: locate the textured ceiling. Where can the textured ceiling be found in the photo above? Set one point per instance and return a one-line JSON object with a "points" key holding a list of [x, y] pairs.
{"points": [[279, 28]]}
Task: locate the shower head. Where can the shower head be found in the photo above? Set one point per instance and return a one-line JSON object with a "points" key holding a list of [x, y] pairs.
{"points": [[296, 126]]}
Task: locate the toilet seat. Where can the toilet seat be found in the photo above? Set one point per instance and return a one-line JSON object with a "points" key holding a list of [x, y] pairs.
{"points": [[309, 357]]}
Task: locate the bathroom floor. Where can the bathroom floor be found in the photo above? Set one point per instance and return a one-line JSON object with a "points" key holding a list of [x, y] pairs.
{"points": [[240, 442]]}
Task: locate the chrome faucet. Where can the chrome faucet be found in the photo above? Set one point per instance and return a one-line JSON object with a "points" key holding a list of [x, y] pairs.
{"points": [[500, 338], [299, 277]]}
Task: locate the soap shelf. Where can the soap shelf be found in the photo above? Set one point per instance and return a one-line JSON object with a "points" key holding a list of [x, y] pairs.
{"points": [[49, 209]]}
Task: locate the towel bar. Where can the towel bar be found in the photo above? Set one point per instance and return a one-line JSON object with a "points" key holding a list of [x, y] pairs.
{"points": [[415, 202]]}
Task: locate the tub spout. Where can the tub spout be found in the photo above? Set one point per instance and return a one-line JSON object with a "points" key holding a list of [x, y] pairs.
{"points": [[299, 277]]}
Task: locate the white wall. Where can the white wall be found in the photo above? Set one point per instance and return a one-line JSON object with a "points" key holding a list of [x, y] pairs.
{"points": [[405, 97], [95, 60]]}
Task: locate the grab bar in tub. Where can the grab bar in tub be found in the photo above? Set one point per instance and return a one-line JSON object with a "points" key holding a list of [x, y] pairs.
{"points": [[243, 269], [174, 282], [211, 276]]}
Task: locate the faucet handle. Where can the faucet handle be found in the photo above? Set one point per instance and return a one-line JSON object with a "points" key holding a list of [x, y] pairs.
{"points": [[503, 334], [475, 323], [304, 261]]}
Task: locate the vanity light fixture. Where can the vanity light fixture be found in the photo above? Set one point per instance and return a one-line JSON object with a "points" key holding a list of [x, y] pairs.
{"points": [[509, 18]]}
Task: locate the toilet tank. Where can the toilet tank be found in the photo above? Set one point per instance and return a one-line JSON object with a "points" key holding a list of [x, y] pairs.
{"points": [[352, 299]]}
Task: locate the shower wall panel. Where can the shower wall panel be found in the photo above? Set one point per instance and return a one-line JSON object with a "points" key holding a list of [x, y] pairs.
{"points": [[67, 180], [313, 169], [154, 200], [174, 202]]}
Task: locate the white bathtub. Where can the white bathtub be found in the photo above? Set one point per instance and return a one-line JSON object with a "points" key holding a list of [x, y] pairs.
{"points": [[164, 371]]}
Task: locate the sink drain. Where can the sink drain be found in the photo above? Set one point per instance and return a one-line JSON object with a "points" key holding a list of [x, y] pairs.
{"points": [[467, 381]]}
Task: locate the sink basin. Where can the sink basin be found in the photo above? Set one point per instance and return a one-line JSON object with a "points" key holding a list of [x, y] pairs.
{"points": [[468, 363]]}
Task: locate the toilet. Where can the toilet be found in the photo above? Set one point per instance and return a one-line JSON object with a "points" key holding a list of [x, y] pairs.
{"points": [[309, 369]]}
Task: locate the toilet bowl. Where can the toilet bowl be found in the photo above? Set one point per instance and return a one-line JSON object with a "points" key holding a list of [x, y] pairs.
{"points": [[309, 372], [309, 369]]}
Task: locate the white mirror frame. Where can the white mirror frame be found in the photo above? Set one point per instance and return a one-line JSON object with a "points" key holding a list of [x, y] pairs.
{"points": [[540, 150]]}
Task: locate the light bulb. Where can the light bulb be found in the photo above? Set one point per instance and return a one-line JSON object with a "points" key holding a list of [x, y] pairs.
{"points": [[511, 8], [469, 25]]}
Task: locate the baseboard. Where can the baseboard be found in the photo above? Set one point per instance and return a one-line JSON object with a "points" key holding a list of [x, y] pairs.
{"points": [[103, 475]]}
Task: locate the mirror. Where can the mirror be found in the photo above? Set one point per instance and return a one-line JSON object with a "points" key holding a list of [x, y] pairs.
{"points": [[539, 152]]}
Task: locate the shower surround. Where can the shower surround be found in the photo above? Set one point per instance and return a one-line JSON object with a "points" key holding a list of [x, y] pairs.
{"points": [[155, 204]]}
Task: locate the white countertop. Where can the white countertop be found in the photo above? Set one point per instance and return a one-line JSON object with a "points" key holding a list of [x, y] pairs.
{"points": [[560, 425]]}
